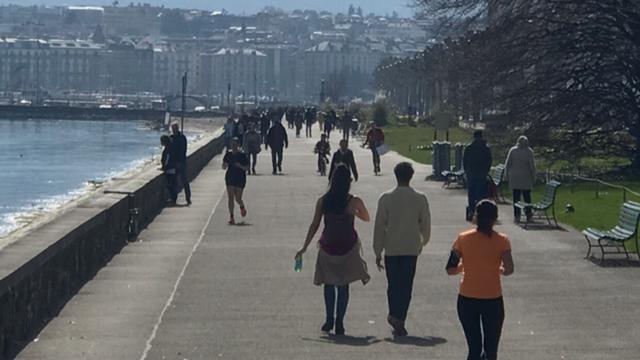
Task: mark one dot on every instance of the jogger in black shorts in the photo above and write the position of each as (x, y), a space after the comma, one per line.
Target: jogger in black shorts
(237, 164)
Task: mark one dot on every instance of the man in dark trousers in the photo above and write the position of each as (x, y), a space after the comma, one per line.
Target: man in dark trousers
(344, 156)
(277, 139)
(179, 154)
(309, 119)
(346, 125)
(476, 162)
(402, 229)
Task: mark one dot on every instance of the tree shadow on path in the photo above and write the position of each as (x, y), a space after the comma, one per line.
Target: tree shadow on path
(428, 341)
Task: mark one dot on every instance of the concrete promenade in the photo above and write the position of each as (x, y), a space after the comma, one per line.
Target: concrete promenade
(195, 288)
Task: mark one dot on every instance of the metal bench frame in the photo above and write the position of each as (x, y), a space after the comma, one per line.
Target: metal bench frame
(625, 230)
(497, 174)
(454, 177)
(547, 203)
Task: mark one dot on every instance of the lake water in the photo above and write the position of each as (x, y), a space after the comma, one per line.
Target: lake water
(46, 163)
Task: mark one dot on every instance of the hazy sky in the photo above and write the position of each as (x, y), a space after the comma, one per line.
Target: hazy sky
(248, 6)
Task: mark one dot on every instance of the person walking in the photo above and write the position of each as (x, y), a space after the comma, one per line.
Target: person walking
(179, 152)
(265, 124)
(520, 169)
(375, 138)
(402, 229)
(321, 117)
(237, 164)
(476, 162)
(168, 167)
(482, 255)
(329, 122)
(309, 119)
(251, 146)
(228, 132)
(343, 156)
(298, 114)
(277, 139)
(346, 125)
(339, 262)
(323, 149)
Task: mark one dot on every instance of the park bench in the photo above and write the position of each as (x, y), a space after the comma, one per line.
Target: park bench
(454, 177)
(626, 229)
(496, 175)
(547, 203)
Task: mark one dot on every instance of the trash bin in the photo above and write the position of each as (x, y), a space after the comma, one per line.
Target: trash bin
(459, 151)
(441, 158)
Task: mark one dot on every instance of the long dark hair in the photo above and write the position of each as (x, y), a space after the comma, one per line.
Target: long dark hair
(337, 197)
(486, 215)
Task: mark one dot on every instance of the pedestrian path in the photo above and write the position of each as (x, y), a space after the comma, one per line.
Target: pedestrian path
(196, 288)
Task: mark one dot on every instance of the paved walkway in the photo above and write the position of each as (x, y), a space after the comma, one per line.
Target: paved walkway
(195, 288)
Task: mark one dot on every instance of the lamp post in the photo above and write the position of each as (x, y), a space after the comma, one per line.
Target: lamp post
(321, 91)
(184, 100)
(229, 97)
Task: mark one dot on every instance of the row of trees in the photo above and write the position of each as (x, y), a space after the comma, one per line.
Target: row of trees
(564, 72)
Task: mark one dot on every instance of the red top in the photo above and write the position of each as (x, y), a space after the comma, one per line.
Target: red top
(375, 137)
(339, 235)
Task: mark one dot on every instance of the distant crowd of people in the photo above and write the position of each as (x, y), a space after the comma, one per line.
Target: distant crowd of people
(402, 220)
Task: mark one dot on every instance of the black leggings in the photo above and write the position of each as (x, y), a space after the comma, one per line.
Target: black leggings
(330, 302)
(253, 160)
(481, 317)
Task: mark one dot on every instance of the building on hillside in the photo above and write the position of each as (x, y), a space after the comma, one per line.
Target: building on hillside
(346, 68)
(245, 69)
(30, 65)
(170, 64)
(136, 20)
(128, 68)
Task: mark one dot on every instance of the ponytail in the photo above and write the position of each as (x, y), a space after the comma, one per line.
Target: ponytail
(486, 216)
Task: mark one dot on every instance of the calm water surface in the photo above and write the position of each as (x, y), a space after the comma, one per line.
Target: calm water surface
(45, 163)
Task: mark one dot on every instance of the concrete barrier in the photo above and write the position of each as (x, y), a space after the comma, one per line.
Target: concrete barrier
(42, 271)
(16, 112)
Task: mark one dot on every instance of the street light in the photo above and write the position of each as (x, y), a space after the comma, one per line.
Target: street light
(184, 100)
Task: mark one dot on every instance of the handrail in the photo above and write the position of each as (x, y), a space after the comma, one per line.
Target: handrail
(624, 189)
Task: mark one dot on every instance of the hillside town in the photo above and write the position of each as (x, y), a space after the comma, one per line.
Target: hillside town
(92, 54)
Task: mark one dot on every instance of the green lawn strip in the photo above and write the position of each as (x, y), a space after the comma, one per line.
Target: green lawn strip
(599, 212)
(406, 139)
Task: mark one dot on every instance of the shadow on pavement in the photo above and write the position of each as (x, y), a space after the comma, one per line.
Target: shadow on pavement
(346, 340)
(536, 226)
(417, 341)
(616, 263)
(242, 223)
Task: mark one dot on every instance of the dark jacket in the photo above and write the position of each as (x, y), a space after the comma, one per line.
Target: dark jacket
(347, 159)
(477, 159)
(167, 161)
(179, 147)
(277, 137)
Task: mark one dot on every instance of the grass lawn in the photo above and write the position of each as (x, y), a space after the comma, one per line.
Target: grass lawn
(590, 211)
(406, 139)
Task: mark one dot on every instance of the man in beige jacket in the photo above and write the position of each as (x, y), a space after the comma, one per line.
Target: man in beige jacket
(402, 229)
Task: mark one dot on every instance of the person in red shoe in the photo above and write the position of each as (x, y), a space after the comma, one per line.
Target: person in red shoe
(375, 138)
(237, 164)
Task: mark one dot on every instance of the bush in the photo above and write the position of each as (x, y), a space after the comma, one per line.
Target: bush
(380, 113)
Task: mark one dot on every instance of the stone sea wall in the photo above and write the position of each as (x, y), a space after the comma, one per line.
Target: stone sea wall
(42, 271)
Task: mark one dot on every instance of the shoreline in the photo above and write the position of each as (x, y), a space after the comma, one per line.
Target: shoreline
(31, 220)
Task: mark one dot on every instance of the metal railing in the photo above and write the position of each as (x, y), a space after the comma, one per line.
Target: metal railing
(625, 190)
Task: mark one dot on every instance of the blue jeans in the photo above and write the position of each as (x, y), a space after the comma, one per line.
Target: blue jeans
(330, 302)
(401, 271)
